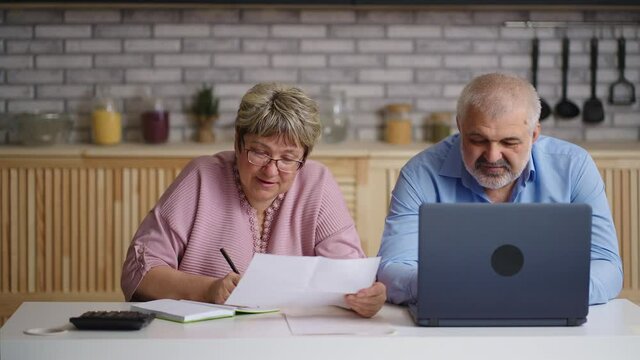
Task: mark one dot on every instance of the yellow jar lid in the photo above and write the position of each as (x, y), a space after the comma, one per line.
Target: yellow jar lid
(398, 107)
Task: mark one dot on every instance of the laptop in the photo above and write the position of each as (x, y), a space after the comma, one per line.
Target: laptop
(503, 265)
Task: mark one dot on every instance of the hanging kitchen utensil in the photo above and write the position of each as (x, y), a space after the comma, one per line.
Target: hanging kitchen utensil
(622, 92)
(565, 109)
(593, 110)
(545, 109)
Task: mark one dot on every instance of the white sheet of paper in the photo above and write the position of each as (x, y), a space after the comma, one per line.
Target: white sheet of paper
(335, 321)
(302, 281)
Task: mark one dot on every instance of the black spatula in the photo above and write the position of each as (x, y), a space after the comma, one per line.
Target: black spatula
(622, 92)
(593, 110)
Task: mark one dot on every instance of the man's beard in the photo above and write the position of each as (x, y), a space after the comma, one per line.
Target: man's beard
(493, 181)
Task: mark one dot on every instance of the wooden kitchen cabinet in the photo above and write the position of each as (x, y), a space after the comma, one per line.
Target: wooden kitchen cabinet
(69, 212)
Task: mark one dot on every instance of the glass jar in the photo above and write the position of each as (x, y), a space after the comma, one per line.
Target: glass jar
(398, 126)
(440, 125)
(333, 116)
(106, 123)
(155, 120)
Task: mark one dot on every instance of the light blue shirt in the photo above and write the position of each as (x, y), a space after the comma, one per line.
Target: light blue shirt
(557, 172)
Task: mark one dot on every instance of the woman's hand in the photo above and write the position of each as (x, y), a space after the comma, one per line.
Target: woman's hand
(367, 302)
(220, 289)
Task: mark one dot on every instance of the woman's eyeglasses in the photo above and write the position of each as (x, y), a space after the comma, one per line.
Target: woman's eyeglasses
(261, 159)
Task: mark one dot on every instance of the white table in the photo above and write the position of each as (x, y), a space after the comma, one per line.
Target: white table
(611, 332)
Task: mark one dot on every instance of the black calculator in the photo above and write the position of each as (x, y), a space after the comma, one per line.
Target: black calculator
(112, 320)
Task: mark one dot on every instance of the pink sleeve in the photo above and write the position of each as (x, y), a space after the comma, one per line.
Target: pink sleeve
(336, 233)
(162, 236)
(152, 245)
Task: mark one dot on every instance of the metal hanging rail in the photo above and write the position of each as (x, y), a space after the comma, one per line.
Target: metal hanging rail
(567, 24)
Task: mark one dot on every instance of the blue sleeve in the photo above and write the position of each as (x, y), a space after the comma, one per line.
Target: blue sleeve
(399, 248)
(606, 266)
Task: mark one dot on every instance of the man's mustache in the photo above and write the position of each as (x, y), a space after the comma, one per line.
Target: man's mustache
(500, 163)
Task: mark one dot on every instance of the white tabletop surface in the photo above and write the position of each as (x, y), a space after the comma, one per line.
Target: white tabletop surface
(611, 332)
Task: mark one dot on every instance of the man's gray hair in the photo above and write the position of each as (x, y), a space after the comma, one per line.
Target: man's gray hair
(496, 94)
(269, 109)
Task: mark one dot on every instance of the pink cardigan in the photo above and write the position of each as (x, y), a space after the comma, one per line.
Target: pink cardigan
(201, 212)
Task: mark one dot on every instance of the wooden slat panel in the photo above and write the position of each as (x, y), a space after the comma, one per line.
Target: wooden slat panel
(41, 263)
(48, 228)
(57, 230)
(143, 187)
(108, 231)
(91, 229)
(66, 233)
(83, 234)
(162, 183)
(5, 231)
(634, 226)
(75, 229)
(31, 230)
(22, 217)
(624, 233)
(100, 229)
(13, 246)
(126, 210)
(617, 219)
(152, 191)
(117, 227)
(135, 202)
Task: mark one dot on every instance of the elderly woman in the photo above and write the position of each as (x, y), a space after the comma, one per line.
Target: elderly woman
(264, 197)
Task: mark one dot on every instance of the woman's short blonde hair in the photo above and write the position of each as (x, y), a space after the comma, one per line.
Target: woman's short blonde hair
(269, 109)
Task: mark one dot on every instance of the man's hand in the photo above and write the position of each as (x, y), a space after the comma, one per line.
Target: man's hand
(220, 289)
(367, 302)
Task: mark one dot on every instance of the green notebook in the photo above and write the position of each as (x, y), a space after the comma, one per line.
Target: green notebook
(189, 311)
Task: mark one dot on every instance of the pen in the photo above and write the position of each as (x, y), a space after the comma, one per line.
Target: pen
(226, 257)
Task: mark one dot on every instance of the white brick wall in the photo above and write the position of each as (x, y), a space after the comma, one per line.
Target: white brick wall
(123, 61)
(177, 31)
(16, 92)
(16, 62)
(34, 46)
(122, 31)
(59, 59)
(182, 60)
(92, 16)
(64, 91)
(63, 61)
(152, 46)
(63, 31)
(93, 46)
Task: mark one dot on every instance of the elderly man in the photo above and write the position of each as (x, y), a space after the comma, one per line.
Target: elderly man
(498, 156)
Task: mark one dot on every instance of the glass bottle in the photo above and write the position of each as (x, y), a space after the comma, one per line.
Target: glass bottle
(398, 124)
(106, 122)
(333, 116)
(155, 120)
